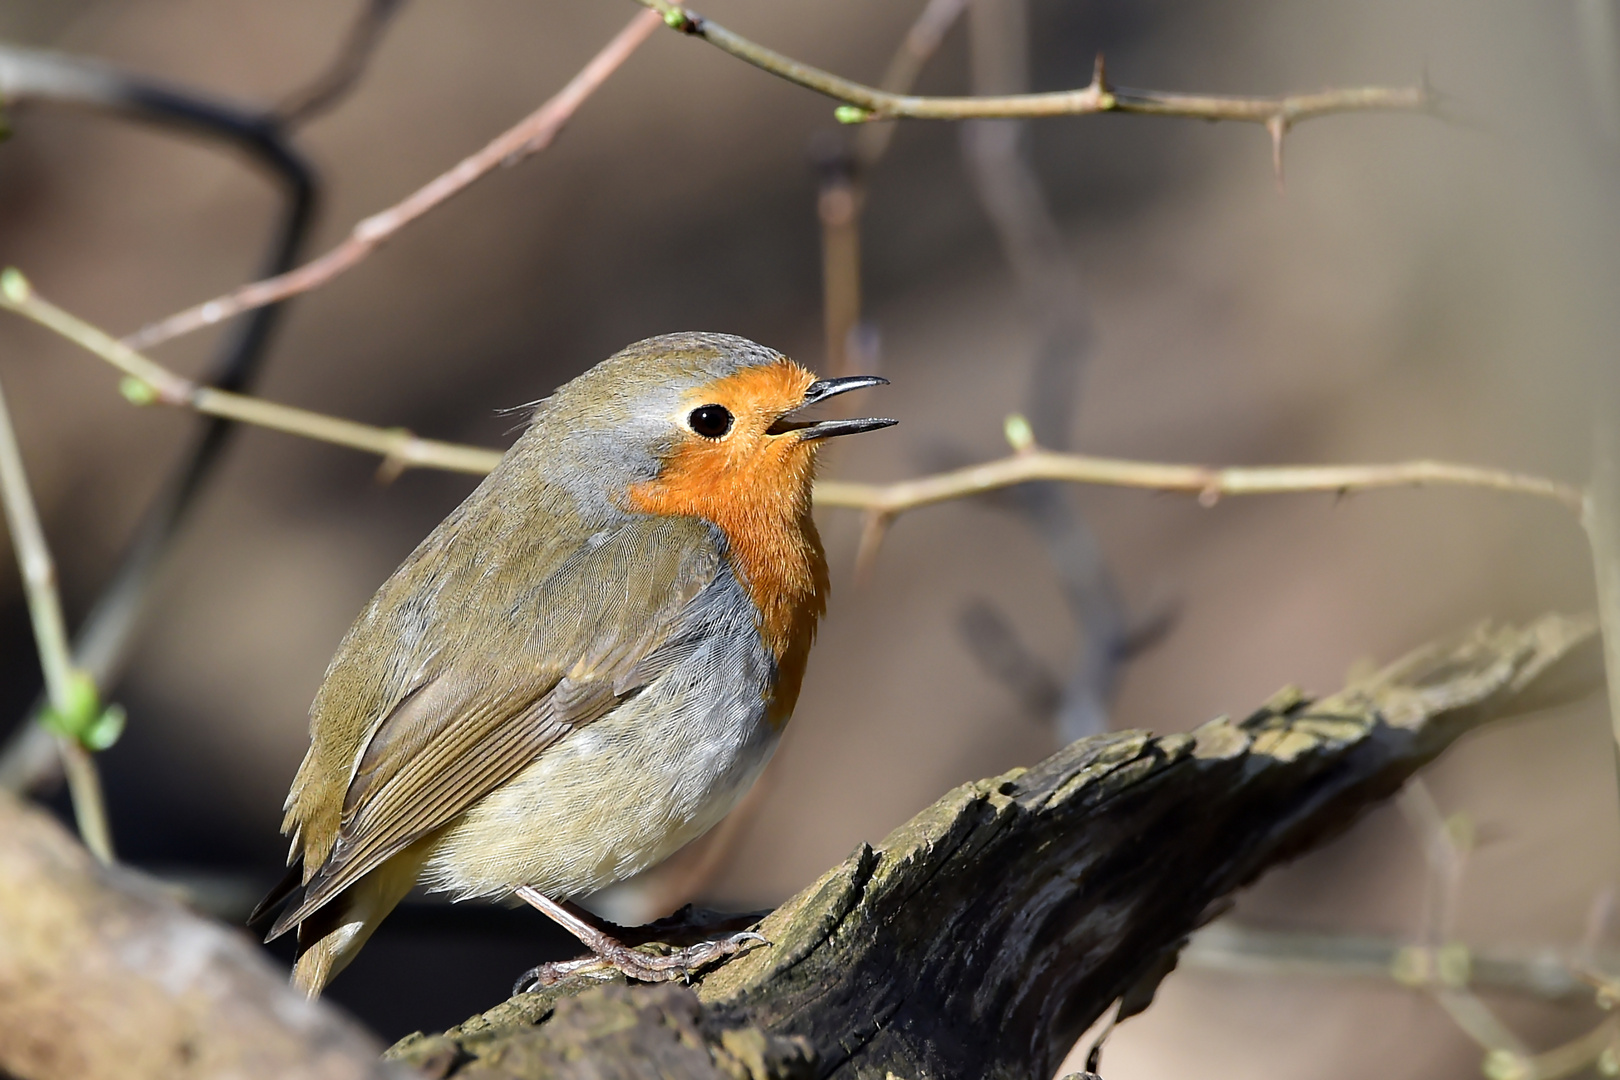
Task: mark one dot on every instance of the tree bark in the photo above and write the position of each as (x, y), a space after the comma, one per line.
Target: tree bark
(104, 975)
(981, 938)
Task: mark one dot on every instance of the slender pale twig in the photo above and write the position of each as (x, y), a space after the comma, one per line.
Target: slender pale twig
(150, 382)
(50, 636)
(1208, 484)
(530, 135)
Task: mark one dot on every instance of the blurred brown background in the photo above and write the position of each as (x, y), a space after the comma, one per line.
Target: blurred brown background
(1421, 289)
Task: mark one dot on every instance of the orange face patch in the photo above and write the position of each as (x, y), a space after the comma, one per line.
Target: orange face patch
(755, 487)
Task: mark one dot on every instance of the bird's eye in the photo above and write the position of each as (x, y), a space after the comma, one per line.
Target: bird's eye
(710, 421)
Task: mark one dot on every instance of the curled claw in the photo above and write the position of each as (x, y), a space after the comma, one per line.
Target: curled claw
(641, 966)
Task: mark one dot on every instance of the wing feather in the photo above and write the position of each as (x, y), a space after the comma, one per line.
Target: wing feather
(595, 628)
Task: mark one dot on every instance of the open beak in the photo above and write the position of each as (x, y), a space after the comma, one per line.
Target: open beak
(820, 391)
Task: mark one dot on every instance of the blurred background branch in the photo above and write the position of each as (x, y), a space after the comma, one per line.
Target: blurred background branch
(104, 639)
(528, 136)
(997, 156)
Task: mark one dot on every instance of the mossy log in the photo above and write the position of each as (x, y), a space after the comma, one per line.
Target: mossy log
(981, 938)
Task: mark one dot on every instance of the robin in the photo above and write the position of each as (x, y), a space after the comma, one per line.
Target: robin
(582, 668)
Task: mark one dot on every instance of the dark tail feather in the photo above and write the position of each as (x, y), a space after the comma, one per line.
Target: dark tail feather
(289, 889)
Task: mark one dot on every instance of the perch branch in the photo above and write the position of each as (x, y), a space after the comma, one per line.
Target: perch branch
(869, 103)
(530, 135)
(38, 571)
(982, 937)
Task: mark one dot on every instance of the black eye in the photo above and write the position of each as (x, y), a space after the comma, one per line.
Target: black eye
(710, 421)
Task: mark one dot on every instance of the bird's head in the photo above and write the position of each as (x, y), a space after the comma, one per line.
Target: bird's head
(703, 424)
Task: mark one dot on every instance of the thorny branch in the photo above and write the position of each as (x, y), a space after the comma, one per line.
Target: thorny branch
(530, 135)
(863, 103)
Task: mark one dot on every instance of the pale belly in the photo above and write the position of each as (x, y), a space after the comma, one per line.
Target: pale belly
(613, 798)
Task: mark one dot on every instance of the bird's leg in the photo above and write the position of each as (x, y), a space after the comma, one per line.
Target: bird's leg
(610, 954)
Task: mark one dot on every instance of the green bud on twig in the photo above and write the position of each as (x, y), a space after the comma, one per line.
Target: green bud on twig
(1505, 1065)
(83, 718)
(105, 729)
(14, 285)
(1020, 436)
(852, 114)
(137, 391)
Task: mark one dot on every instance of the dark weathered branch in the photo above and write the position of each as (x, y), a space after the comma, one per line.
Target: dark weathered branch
(102, 644)
(984, 936)
(354, 55)
(104, 976)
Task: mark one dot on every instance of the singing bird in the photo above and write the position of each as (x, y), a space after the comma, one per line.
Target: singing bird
(583, 667)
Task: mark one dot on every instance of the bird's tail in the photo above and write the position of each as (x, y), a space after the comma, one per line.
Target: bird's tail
(331, 936)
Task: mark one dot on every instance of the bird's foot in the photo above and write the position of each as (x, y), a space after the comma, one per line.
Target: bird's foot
(611, 955)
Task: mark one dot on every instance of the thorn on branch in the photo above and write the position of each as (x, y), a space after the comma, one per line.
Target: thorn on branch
(874, 527)
(1277, 126)
(1103, 92)
(399, 458)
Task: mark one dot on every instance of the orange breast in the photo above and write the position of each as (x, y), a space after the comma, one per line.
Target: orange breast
(756, 489)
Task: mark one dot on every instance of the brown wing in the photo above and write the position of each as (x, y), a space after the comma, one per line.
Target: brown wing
(597, 622)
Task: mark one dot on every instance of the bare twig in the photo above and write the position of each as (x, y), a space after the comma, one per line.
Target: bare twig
(151, 382)
(331, 85)
(864, 103)
(1208, 484)
(50, 636)
(530, 135)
